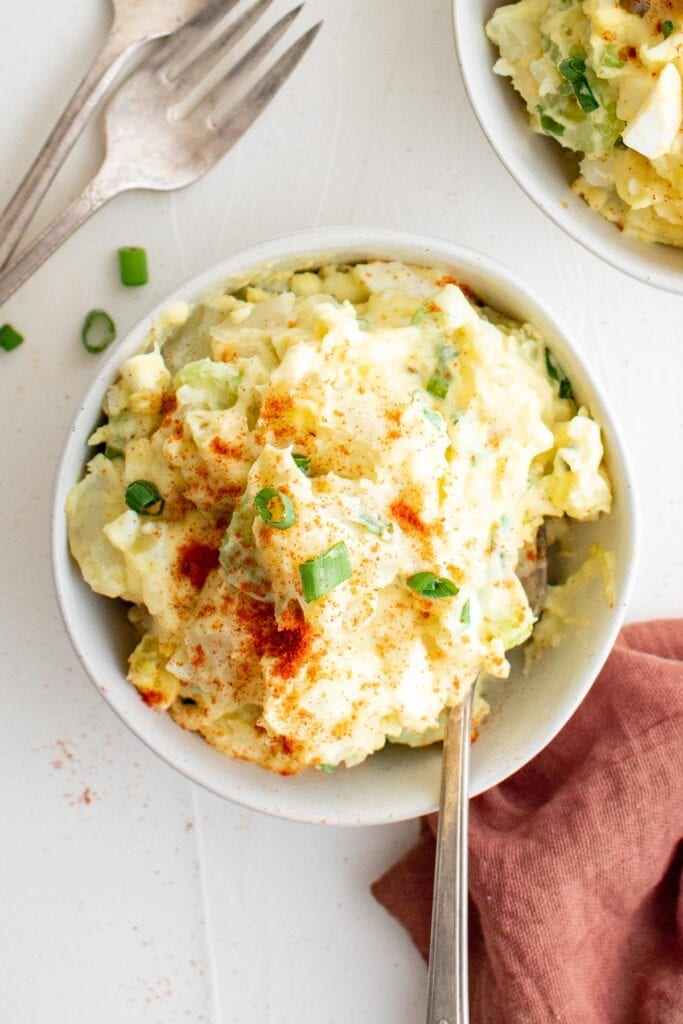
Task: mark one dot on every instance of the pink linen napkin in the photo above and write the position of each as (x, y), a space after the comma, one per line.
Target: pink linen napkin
(576, 861)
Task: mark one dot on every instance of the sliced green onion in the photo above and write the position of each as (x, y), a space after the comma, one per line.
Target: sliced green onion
(9, 338)
(556, 372)
(303, 462)
(585, 96)
(110, 452)
(667, 28)
(465, 613)
(573, 69)
(438, 385)
(611, 58)
(263, 501)
(428, 584)
(133, 266)
(375, 523)
(440, 380)
(549, 125)
(322, 574)
(98, 331)
(144, 498)
(434, 418)
(325, 767)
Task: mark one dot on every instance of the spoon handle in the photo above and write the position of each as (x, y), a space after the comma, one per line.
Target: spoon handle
(447, 995)
(19, 211)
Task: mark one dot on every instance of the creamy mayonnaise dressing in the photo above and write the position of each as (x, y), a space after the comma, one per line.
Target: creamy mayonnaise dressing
(432, 435)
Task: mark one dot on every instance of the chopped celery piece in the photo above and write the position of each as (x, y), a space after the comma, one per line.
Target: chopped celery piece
(611, 58)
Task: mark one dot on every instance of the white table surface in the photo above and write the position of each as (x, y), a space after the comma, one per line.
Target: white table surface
(127, 893)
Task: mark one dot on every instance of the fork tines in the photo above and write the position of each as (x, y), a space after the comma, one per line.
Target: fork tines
(235, 121)
(189, 64)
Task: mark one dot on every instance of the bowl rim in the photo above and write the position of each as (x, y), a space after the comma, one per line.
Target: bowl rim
(626, 264)
(309, 243)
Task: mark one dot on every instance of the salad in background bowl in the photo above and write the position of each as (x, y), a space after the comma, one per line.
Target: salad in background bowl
(601, 81)
(348, 295)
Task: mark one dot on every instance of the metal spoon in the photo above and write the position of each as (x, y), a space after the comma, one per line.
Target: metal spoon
(135, 22)
(447, 991)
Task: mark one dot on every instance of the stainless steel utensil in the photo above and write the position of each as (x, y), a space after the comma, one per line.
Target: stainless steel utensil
(161, 133)
(135, 23)
(447, 990)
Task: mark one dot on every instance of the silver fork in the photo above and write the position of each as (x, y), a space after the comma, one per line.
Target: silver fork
(149, 143)
(134, 24)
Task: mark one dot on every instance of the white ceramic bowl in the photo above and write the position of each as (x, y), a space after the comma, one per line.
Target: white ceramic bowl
(398, 782)
(540, 165)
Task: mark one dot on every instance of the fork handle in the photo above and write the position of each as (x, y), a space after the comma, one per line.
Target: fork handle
(97, 193)
(447, 993)
(25, 201)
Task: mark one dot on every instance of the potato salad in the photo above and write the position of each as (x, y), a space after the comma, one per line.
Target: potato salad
(603, 78)
(315, 493)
